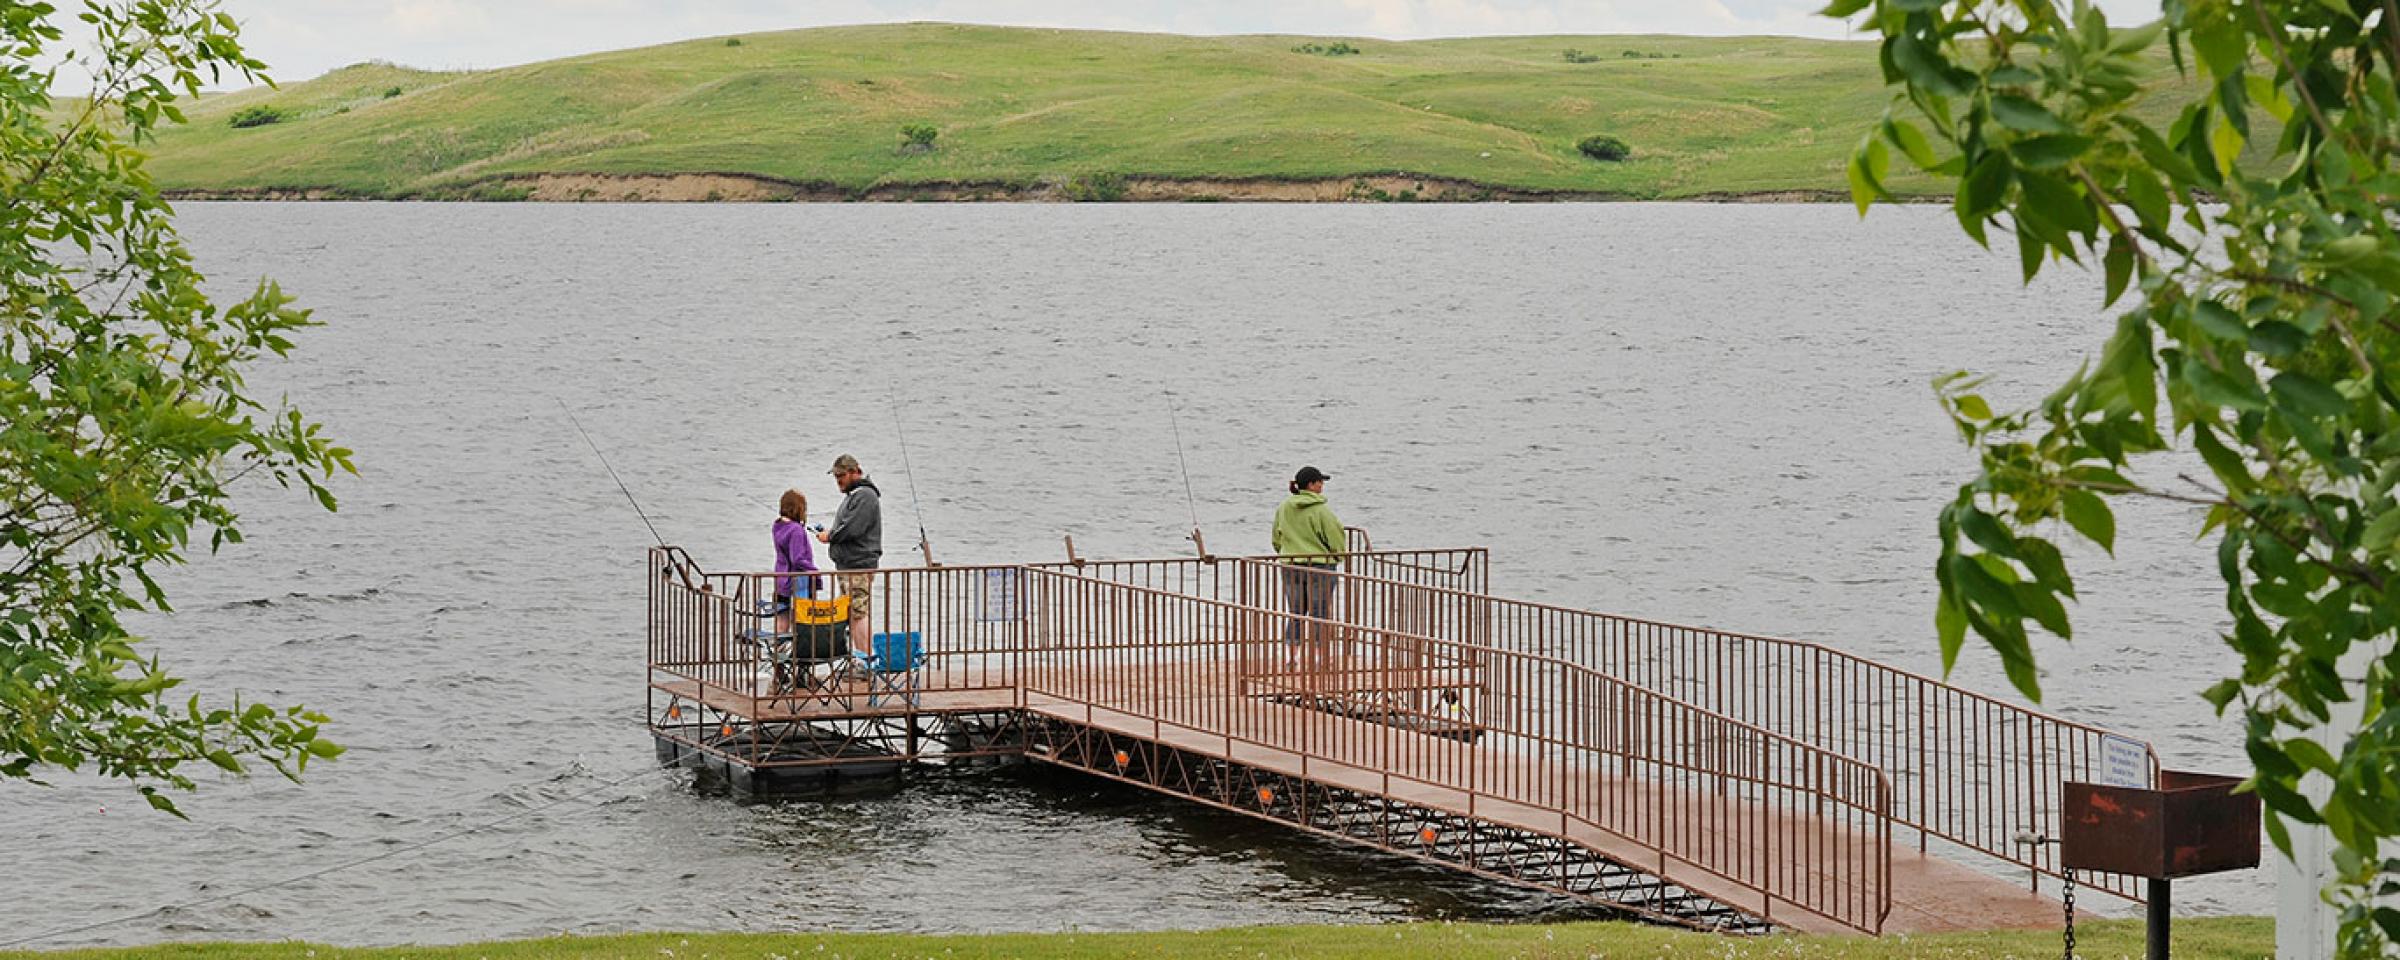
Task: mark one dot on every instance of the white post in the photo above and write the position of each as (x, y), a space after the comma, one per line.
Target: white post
(2304, 923)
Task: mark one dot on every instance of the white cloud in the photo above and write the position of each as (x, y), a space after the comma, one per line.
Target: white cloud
(436, 18)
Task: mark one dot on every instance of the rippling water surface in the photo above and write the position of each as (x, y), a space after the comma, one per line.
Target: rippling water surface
(1709, 414)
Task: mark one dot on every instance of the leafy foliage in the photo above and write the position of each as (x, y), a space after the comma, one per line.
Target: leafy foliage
(257, 116)
(123, 419)
(1338, 48)
(1604, 147)
(1095, 188)
(1572, 55)
(919, 135)
(2255, 244)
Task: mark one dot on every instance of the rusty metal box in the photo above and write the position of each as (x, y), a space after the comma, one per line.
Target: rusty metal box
(2193, 824)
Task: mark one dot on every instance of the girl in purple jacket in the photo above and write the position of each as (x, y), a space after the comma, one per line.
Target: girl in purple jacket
(792, 555)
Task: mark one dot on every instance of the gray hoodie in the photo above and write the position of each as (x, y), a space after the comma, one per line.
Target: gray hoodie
(855, 541)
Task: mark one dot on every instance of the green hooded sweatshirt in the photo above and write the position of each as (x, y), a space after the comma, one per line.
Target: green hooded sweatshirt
(1305, 527)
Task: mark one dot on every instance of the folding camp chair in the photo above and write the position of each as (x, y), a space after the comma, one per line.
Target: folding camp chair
(895, 667)
(820, 636)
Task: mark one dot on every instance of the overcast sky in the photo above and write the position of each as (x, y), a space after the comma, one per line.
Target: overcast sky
(304, 38)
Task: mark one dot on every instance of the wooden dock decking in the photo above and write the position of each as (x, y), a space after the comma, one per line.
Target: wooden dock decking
(1780, 784)
(1928, 894)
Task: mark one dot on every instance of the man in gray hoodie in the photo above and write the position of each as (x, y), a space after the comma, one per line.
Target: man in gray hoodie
(855, 542)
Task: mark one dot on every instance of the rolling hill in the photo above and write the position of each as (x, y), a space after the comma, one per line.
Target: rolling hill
(1020, 112)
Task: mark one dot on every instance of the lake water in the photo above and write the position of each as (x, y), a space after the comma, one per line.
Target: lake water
(1710, 414)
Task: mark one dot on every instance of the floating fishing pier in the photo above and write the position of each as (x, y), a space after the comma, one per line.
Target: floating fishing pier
(1678, 774)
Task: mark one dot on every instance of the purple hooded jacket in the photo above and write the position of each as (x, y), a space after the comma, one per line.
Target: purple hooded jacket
(793, 554)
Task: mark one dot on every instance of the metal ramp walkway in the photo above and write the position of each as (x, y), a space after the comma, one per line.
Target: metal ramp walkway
(1685, 776)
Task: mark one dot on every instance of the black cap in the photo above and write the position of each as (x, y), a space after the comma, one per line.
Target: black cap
(1309, 475)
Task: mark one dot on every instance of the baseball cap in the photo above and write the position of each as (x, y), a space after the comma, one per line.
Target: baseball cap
(1309, 475)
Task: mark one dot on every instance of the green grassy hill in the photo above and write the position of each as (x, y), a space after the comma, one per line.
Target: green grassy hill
(1021, 107)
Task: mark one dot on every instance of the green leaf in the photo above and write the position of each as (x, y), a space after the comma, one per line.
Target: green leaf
(2381, 532)
(2049, 569)
(1924, 65)
(2216, 388)
(2030, 249)
(2043, 606)
(2225, 143)
(2220, 321)
(2221, 693)
(1950, 624)
(2278, 834)
(2276, 338)
(2049, 153)
(1911, 142)
(1842, 9)
(2148, 199)
(1868, 164)
(2026, 116)
(2221, 47)
(2117, 268)
(1986, 532)
(2307, 396)
(2282, 799)
(2090, 516)
(158, 801)
(2129, 359)
(2056, 201)
(1982, 590)
(1986, 183)
(2311, 755)
(2135, 39)
(2223, 462)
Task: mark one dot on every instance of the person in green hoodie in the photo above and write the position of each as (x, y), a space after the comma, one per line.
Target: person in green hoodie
(1309, 541)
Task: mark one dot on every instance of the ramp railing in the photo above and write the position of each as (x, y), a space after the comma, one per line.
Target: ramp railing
(1754, 818)
(1967, 768)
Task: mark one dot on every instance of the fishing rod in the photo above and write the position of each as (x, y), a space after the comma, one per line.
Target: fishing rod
(1176, 422)
(924, 543)
(671, 550)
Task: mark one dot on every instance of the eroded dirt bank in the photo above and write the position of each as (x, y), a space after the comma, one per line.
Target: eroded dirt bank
(746, 188)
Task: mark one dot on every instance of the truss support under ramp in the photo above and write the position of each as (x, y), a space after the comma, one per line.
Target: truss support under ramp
(1470, 844)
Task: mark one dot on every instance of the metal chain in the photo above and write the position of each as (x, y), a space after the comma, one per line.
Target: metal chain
(2070, 908)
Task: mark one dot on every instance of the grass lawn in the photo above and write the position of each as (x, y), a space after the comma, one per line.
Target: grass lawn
(2196, 939)
(1703, 115)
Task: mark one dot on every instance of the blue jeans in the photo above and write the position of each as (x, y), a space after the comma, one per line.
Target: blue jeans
(1307, 592)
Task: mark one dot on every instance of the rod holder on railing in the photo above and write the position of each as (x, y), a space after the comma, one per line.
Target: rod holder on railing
(1202, 545)
(1071, 557)
(683, 568)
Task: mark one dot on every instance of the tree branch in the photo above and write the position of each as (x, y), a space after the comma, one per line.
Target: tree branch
(2391, 34)
(2295, 286)
(2340, 558)
(2284, 57)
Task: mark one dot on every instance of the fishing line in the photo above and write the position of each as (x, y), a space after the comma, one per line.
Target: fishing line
(612, 471)
(344, 865)
(909, 471)
(1189, 501)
